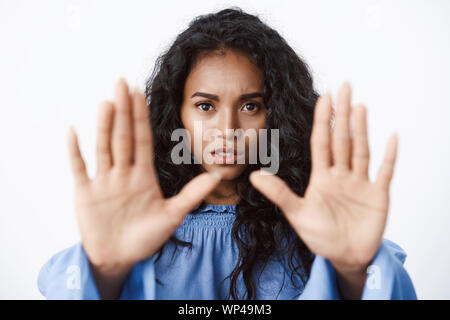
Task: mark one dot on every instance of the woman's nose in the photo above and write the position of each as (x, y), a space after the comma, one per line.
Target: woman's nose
(228, 123)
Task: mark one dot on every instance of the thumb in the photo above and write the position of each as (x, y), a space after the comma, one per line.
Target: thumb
(193, 193)
(276, 190)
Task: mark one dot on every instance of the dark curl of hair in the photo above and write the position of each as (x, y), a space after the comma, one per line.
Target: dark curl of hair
(260, 228)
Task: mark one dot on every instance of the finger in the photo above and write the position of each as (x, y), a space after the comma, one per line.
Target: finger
(276, 190)
(360, 153)
(76, 160)
(122, 132)
(104, 128)
(320, 135)
(341, 133)
(191, 195)
(143, 137)
(386, 170)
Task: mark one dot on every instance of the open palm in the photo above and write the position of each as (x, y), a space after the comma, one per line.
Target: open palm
(121, 213)
(342, 215)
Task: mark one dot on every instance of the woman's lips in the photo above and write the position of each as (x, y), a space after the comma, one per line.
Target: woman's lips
(226, 157)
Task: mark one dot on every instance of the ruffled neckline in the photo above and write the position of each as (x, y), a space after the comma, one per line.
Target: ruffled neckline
(210, 216)
(219, 208)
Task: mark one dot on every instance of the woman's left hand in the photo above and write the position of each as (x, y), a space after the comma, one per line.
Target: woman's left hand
(342, 215)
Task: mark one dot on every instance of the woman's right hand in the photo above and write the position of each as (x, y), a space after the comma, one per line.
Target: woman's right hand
(121, 213)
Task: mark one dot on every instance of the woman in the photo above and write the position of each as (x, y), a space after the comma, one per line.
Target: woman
(155, 228)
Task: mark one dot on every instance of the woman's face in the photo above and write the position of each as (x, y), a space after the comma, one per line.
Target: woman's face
(223, 92)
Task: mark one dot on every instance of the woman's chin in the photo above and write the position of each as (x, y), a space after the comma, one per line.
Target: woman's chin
(228, 172)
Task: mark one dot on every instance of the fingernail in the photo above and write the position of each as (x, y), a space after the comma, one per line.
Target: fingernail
(70, 129)
(217, 175)
(266, 172)
(395, 135)
(122, 82)
(347, 82)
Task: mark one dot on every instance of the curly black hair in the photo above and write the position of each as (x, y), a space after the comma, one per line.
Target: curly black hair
(260, 228)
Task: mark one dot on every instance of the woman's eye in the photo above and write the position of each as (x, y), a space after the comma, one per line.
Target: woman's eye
(204, 106)
(250, 107)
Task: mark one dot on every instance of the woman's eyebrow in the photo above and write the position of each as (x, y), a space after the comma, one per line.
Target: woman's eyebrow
(216, 98)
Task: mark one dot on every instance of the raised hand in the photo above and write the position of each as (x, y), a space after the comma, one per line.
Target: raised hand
(342, 215)
(121, 213)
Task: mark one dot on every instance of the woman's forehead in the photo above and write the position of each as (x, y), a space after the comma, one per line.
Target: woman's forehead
(222, 73)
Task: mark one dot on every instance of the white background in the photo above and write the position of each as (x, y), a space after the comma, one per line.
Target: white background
(59, 59)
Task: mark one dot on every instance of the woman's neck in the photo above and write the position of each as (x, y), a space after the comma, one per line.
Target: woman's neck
(224, 193)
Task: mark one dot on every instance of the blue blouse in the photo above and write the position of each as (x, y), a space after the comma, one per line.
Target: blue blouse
(198, 273)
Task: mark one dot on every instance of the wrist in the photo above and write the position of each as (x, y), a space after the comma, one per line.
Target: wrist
(111, 269)
(350, 280)
(350, 269)
(110, 279)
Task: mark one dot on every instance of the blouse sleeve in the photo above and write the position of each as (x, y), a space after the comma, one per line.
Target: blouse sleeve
(68, 275)
(386, 278)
